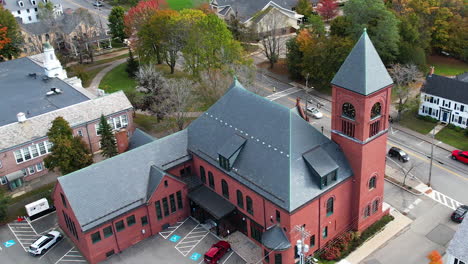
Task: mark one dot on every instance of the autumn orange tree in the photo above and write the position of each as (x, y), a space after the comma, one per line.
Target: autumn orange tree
(435, 257)
(3, 37)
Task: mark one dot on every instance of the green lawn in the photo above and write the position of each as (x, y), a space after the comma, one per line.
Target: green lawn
(117, 79)
(447, 66)
(150, 123)
(410, 121)
(181, 4)
(453, 138)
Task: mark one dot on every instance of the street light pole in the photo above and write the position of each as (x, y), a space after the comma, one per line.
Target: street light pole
(307, 89)
(432, 155)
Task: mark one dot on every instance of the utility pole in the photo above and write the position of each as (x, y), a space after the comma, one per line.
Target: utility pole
(307, 88)
(302, 247)
(432, 155)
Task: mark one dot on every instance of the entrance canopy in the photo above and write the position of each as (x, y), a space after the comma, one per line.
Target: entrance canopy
(214, 204)
(15, 175)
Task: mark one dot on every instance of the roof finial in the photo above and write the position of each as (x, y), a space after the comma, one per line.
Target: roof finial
(235, 77)
(365, 29)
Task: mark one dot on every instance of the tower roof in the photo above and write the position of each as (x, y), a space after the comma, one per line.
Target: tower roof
(363, 71)
(47, 45)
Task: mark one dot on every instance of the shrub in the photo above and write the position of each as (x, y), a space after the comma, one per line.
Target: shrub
(466, 131)
(458, 129)
(451, 126)
(331, 253)
(374, 228)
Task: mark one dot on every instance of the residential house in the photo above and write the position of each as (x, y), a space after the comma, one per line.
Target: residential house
(28, 10)
(262, 174)
(445, 99)
(457, 251)
(262, 15)
(34, 92)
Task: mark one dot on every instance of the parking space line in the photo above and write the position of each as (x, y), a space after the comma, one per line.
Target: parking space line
(166, 234)
(64, 255)
(182, 246)
(228, 257)
(19, 241)
(48, 250)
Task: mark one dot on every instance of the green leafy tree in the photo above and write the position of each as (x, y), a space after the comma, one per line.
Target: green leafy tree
(4, 200)
(294, 59)
(116, 22)
(304, 8)
(316, 23)
(340, 26)
(13, 33)
(381, 24)
(108, 142)
(68, 153)
(132, 65)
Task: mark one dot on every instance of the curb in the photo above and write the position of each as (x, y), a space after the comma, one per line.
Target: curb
(399, 128)
(394, 183)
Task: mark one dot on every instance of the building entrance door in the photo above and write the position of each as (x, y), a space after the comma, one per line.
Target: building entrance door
(444, 116)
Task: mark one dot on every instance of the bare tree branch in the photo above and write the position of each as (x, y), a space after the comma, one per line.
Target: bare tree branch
(180, 98)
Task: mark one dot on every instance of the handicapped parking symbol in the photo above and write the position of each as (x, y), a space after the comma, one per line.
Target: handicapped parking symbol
(195, 256)
(9, 243)
(174, 238)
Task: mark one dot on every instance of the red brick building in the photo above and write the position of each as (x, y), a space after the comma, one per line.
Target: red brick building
(249, 165)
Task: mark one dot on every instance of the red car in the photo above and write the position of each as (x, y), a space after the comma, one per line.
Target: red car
(216, 252)
(460, 155)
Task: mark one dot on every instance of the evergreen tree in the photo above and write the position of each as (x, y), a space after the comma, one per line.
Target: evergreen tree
(132, 65)
(108, 143)
(68, 153)
(116, 22)
(4, 199)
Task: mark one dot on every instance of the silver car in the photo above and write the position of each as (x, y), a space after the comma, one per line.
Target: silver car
(44, 243)
(314, 112)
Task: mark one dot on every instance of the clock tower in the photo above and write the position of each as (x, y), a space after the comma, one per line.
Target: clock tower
(361, 99)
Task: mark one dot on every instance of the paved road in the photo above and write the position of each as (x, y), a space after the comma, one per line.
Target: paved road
(100, 14)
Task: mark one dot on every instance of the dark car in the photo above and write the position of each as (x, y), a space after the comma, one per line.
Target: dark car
(460, 156)
(395, 152)
(459, 214)
(216, 252)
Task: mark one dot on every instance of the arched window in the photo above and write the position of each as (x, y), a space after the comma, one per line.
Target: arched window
(375, 206)
(367, 211)
(202, 174)
(372, 182)
(348, 111)
(375, 111)
(211, 180)
(330, 206)
(47, 37)
(225, 188)
(248, 201)
(240, 199)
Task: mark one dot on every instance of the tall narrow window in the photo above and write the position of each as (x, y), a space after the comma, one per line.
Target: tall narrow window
(375, 111)
(157, 206)
(211, 180)
(312, 241)
(248, 201)
(375, 206)
(131, 220)
(180, 203)
(225, 188)
(173, 205)
(119, 226)
(278, 216)
(278, 258)
(96, 237)
(165, 206)
(144, 220)
(240, 199)
(325, 232)
(367, 211)
(330, 206)
(107, 231)
(372, 182)
(266, 255)
(202, 174)
(64, 202)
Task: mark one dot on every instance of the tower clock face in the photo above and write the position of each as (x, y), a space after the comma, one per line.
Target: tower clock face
(376, 110)
(349, 111)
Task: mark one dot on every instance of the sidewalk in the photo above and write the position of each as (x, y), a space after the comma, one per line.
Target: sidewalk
(389, 231)
(422, 137)
(102, 57)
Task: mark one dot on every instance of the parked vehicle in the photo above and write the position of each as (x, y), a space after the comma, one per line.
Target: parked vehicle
(216, 252)
(314, 112)
(399, 154)
(459, 214)
(460, 156)
(97, 4)
(44, 243)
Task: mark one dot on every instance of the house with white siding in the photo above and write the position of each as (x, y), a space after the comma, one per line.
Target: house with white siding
(445, 99)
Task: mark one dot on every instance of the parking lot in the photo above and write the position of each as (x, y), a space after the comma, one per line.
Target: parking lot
(16, 237)
(185, 242)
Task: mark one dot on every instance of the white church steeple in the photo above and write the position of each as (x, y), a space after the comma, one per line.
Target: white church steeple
(52, 66)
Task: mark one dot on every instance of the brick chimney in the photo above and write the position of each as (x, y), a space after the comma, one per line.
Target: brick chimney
(431, 71)
(122, 140)
(300, 110)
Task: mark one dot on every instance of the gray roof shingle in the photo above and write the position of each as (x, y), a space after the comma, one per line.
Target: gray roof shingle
(139, 138)
(458, 246)
(274, 238)
(445, 87)
(22, 93)
(245, 9)
(271, 160)
(363, 71)
(114, 186)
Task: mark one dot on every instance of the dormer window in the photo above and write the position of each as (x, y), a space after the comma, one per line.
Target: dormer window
(323, 168)
(229, 152)
(20, 3)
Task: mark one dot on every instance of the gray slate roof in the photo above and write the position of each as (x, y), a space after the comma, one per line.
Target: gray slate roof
(445, 87)
(21, 93)
(66, 22)
(270, 162)
(458, 246)
(320, 161)
(274, 238)
(245, 9)
(363, 71)
(114, 186)
(212, 202)
(139, 138)
(37, 127)
(462, 77)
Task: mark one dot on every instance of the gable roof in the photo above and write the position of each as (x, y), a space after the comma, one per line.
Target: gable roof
(114, 186)
(245, 9)
(458, 246)
(274, 238)
(363, 71)
(445, 87)
(24, 93)
(66, 22)
(271, 162)
(139, 138)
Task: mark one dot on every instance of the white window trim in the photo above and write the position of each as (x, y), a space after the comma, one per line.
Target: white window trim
(31, 168)
(3, 180)
(39, 165)
(1, 166)
(80, 132)
(47, 147)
